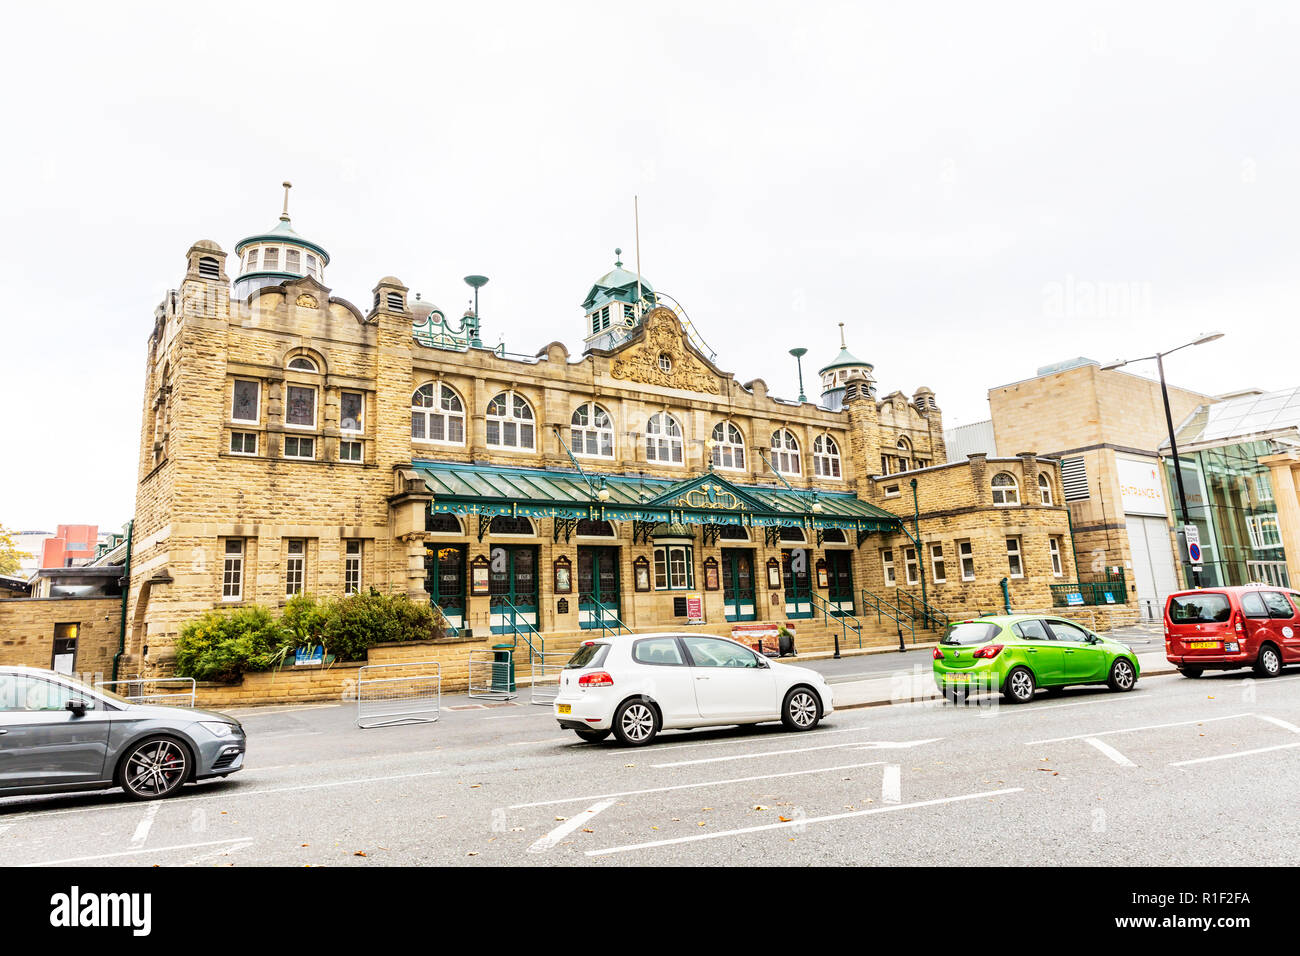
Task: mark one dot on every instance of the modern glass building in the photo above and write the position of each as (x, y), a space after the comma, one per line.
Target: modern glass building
(1229, 492)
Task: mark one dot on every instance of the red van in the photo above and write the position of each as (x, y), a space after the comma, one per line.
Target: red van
(1227, 628)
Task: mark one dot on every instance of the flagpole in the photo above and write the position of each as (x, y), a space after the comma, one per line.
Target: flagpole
(636, 212)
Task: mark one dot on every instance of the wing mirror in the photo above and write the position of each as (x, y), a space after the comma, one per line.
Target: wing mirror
(77, 706)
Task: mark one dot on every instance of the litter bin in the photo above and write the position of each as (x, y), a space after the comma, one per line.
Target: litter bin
(503, 668)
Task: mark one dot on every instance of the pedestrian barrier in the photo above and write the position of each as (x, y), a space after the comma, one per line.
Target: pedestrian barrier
(547, 666)
(171, 691)
(492, 674)
(386, 697)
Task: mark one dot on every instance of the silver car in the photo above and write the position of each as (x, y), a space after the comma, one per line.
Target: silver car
(58, 734)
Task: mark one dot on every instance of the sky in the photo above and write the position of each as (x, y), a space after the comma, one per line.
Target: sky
(974, 190)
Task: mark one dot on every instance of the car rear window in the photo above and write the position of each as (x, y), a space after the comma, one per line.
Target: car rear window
(970, 632)
(588, 655)
(1199, 609)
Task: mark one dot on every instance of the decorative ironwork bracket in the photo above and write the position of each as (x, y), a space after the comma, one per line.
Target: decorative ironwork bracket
(563, 526)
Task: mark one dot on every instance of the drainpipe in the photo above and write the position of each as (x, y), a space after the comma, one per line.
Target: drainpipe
(920, 558)
(1073, 548)
(1006, 597)
(126, 592)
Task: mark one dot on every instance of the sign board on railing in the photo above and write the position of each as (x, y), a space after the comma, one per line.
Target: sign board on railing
(1074, 599)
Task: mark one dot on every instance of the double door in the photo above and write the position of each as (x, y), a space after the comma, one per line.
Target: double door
(738, 584)
(512, 586)
(444, 579)
(598, 588)
(796, 578)
(839, 581)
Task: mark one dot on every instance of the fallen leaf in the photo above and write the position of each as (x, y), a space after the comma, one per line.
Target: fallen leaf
(560, 819)
(516, 829)
(784, 819)
(759, 806)
(306, 844)
(358, 853)
(588, 830)
(700, 824)
(472, 853)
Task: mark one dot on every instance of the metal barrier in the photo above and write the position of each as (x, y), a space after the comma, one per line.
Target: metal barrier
(492, 675)
(545, 686)
(397, 699)
(150, 690)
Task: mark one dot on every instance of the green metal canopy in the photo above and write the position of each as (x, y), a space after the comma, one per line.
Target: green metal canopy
(706, 499)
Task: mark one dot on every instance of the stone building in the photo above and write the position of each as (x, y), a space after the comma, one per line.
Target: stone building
(293, 441)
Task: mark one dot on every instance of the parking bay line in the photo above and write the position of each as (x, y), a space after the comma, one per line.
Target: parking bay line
(568, 826)
(1109, 751)
(691, 786)
(1240, 753)
(805, 821)
(1129, 730)
(858, 744)
(151, 849)
(1280, 723)
(146, 824)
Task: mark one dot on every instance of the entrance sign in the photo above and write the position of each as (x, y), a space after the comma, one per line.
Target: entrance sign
(694, 609)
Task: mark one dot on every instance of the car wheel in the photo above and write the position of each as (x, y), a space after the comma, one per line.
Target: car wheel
(801, 709)
(1122, 675)
(1269, 662)
(592, 736)
(1019, 686)
(154, 768)
(636, 722)
(1191, 671)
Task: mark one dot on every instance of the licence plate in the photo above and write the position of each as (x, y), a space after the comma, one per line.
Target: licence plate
(563, 708)
(958, 678)
(1199, 645)
(1230, 647)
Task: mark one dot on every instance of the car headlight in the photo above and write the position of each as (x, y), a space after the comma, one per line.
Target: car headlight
(219, 728)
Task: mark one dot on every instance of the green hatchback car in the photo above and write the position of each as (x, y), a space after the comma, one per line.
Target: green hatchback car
(1016, 654)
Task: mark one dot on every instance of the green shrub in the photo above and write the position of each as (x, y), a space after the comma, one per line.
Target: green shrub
(222, 645)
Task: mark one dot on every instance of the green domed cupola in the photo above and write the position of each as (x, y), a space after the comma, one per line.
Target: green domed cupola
(276, 255)
(612, 306)
(835, 374)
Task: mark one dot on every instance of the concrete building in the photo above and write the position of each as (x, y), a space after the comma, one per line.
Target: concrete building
(1106, 428)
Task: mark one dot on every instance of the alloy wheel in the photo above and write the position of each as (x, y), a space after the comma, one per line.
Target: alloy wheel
(1022, 685)
(155, 768)
(1123, 675)
(803, 709)
(638, 722)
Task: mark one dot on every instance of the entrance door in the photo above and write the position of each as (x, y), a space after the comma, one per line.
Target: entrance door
(839, 581)
(738, 584)
(444, 579)
(1153, 563)
(512, 584)
(797, 579)
(598, 588)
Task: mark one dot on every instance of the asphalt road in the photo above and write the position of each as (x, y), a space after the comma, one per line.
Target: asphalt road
(1197, 772)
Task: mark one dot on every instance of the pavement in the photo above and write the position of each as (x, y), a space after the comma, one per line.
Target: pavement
(1194, 772)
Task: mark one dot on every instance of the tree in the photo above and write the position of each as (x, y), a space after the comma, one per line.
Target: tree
(10, 557)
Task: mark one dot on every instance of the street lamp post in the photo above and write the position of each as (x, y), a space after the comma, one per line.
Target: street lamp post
(798, 358)
(1169, 423)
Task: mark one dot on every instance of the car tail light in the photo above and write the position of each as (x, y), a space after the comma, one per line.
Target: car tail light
(938, 654)
(596, 679)
(989, 651)
(1237, 624)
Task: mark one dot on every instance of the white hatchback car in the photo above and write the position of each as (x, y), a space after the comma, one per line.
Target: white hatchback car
(635, 686)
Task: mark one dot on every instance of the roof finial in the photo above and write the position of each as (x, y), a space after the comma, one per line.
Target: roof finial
(284, 216)
(842, 345)
(618, 258)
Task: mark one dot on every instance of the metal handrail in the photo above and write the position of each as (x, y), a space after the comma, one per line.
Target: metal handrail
(515, 620)
(602, 609)
(927, 613)
(847, 621)
(451, 629)
(884, 609)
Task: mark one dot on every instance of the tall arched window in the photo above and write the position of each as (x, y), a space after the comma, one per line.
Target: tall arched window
(301, 363)
(826, 457)
(785, 453)
(663, 440)
(437, 415)
(510, 423)
(1005, 490)
(1044, 489)
(592, 432)
(904, 454)
(728, 447)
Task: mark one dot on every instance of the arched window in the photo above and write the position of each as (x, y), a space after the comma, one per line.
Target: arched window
(587, 528)
(510, 423)
(442, 523)
(904, 454)
(504, 524)
(792, 533)
(785, 453)
(437, 415)
(826, 457)
(1005, 490)
(728, 447)
(301, 363)
(663, 440)
(1044, 489)
(592, 432)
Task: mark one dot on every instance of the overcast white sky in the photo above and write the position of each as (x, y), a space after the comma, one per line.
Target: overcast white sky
(976, 190)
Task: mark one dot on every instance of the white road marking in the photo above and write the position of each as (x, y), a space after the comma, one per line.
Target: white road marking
(1109, 751)
(568, 826)
(1129, 730)
(1240, 753)
(146, 824)
(218, 853)
(692, 786)
(802, 822)
(152, 849)
(857, 744)
(1281, 723)
(738, 739)
(891, 787)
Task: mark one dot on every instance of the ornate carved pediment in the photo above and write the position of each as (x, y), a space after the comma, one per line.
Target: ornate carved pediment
(661, 358)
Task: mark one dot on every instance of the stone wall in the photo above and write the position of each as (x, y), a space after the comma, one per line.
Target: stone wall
(27, 632)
